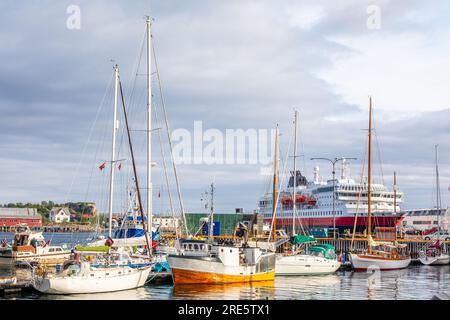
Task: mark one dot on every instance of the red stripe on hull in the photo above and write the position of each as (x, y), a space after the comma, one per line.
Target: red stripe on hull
(341, 222)
(365, 269)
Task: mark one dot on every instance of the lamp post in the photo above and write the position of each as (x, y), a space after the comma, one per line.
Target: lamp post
(333, 162)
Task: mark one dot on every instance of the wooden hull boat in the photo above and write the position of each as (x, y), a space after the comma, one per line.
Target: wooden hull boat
(364, 262)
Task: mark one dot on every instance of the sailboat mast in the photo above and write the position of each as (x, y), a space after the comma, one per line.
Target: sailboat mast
(149, 129)
(211, 215)
(113, 149)
(369, 177)
(275, 177)
(438, 191)
(395, 192)
(294, 193)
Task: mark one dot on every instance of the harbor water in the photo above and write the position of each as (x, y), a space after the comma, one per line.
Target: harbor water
(416, 282)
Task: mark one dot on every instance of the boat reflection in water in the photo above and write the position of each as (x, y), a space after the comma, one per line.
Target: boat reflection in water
(307, 287)
(226, 291)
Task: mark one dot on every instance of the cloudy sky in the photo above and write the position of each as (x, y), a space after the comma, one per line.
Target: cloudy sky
(230, 64)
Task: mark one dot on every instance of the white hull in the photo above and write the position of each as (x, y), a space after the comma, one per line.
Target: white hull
(103, 280)
(12, 259)
(123, 242)
(439, 260)
(362, 262)
(304, 265)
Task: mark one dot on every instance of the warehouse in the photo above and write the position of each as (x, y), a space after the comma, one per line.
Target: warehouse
(10, 217)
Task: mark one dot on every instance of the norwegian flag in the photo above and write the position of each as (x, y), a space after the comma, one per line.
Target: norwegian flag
(120, 166)
(4, 242)
(102, 166)
(47, 243)
(159, 194)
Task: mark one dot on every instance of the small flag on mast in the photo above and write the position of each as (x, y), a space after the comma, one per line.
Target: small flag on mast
(120, 166)
(102, 166)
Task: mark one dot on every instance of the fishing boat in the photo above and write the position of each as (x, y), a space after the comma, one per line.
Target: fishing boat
(203, 262)
(30, 247)
(436, 253)
(318, 259)
(387, 255)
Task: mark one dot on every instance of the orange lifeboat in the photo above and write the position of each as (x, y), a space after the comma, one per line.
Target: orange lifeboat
(286, 200)
(312, 201)
(300, 198)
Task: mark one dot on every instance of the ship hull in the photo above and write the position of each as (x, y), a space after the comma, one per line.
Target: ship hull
(298, 265)
(189, 270)
(342, 223)
(181, 276)
(361, 262)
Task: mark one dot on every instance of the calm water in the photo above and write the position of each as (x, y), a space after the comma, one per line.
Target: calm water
(416, 282)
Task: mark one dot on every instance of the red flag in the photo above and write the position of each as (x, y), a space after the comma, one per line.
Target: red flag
(159, 194)
(102, 166)
(120, 166)
(47, 243)
(4, 242)
(448, 188)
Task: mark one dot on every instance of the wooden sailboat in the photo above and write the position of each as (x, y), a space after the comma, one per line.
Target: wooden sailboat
(435, 254)
(379, 255)
(318, 259)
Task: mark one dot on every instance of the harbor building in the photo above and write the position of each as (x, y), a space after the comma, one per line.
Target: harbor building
(224, 223)
(10, 217)
(425, 219)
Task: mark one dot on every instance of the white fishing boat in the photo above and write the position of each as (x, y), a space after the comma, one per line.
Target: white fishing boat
(83, 278)
(379, 255)
(30, 247)
(203, 262)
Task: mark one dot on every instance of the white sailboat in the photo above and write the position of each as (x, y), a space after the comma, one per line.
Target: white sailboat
(84, 278)
(435, 254)
(85, 275)
(379, 255)
(318, 259)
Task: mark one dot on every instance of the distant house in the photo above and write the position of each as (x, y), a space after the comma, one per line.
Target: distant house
(59, 214)
(12, 216)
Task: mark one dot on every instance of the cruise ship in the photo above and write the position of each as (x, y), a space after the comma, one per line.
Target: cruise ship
(314, 203)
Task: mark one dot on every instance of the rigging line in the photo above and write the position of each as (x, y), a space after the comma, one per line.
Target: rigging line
(132, 86)
(91, 130)
(359, 196)
(165, 172)
(170, 141)
(141, 209)
(378, 147)
(279, 187)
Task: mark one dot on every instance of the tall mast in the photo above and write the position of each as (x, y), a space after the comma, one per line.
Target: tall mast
(294, 193)
(211, 215)
(275, 177)
(395, 193)
(113, 149)
(149, 129)
(369, 178)
(438, 189)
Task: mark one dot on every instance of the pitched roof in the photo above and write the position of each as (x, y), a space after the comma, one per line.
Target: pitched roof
(19, 212)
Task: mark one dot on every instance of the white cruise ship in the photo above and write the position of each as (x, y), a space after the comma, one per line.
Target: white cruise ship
(315, 203)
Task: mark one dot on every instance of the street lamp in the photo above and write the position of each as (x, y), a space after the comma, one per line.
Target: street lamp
(333, 162)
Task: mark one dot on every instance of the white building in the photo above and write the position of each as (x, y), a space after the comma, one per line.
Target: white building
(424, 219)
(59, 214)
(167, 224)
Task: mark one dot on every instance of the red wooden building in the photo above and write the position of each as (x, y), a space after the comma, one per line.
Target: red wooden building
(10, 217)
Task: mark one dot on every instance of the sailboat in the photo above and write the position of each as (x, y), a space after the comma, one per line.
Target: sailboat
(85, 274)
(320, 259)
(380, 255)
(435, 254)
